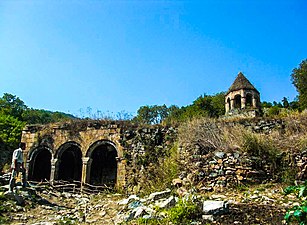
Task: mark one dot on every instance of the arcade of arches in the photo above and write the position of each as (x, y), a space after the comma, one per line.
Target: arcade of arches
(95, 158)
(242, 99)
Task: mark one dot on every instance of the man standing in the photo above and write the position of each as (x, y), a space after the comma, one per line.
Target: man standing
(18, 166)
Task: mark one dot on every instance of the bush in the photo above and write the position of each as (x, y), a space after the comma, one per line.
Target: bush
(299, 212)
(184, 212)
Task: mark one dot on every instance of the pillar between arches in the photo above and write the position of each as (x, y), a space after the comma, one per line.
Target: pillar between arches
(86, 161)
(53, 170)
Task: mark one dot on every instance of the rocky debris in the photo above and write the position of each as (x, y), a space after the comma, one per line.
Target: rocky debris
(215, 207)
(135, 207)
(264, 204)
(158, 195)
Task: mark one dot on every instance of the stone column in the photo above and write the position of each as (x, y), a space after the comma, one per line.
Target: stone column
(86, 161)
(226, 107)
(121, 173)
(254, 102)
(53, 170)
(243, 102)
(232, 103)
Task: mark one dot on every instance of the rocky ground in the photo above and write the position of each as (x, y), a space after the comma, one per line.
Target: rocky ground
(263, 204)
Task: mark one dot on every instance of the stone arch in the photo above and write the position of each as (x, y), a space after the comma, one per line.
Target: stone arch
(102, 167)
(237, 102)
(69, 162)
(249, 100)
(39, 164)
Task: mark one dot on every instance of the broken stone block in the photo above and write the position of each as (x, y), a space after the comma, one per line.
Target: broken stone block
(128, 200)
(208, 217)
(167, 203)
(215, 207)
(158, 195)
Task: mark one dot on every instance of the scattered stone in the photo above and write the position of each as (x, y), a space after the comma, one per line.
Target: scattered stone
(208, 217)
(158, 195)
(171, 201)
(215, 207)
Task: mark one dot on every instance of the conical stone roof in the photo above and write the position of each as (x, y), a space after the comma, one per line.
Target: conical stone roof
(241, 82)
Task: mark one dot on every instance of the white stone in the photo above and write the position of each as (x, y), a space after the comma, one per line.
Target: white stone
(159, 195)
(215, 207)
(167, 203)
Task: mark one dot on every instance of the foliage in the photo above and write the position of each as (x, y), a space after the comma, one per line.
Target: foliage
(279, 108)
(151, 114)
(299, 212)
(164, 172)
(299, 80)
(184, 212)
(10, 130)
(260, 146)
(204, 105)
(12, 105)
(40, 116)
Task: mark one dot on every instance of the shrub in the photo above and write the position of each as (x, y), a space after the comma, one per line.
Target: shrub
(184, 212)
(299, 212)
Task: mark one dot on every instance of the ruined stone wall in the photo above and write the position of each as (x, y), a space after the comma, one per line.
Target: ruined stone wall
(140, 149)
(207, 167)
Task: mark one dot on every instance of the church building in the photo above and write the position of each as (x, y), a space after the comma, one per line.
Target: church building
(242, 98)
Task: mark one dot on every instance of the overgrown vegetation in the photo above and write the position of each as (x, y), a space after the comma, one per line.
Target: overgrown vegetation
(298, 212)
(161, 175)
(299, 80)
(184, 212)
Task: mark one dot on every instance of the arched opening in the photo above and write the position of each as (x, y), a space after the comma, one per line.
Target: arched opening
(249, 100)
(103, 166)
(237, 102)
(228, 104)
(69, 162)
(40, 165)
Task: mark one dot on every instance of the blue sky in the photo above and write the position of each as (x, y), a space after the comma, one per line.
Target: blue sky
(120, 55)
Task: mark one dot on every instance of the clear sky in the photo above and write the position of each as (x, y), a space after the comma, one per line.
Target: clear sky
(120, 55)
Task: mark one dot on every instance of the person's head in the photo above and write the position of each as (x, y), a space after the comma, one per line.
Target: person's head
(22, 145)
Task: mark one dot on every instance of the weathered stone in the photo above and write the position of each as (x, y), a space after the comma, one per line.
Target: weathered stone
(158, 195)
(167, 203)
(219, 154)
(215, 207)
(208, 217)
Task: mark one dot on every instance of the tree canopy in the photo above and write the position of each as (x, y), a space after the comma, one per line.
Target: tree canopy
(14, 115)
(299, 79)
(204, 105)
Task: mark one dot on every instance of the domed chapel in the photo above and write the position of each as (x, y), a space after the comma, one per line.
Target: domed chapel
(242, 98)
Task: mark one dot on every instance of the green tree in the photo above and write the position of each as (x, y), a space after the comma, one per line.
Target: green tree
(285, 102)
(151, 114)
(12, 105)
(265, 104)
(299, 79)
(10, 130)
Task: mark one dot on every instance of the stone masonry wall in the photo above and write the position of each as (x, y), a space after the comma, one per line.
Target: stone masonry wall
(141, 148)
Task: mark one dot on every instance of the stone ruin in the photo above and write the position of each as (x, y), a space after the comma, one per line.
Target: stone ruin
(242, 99)
(96, 153)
